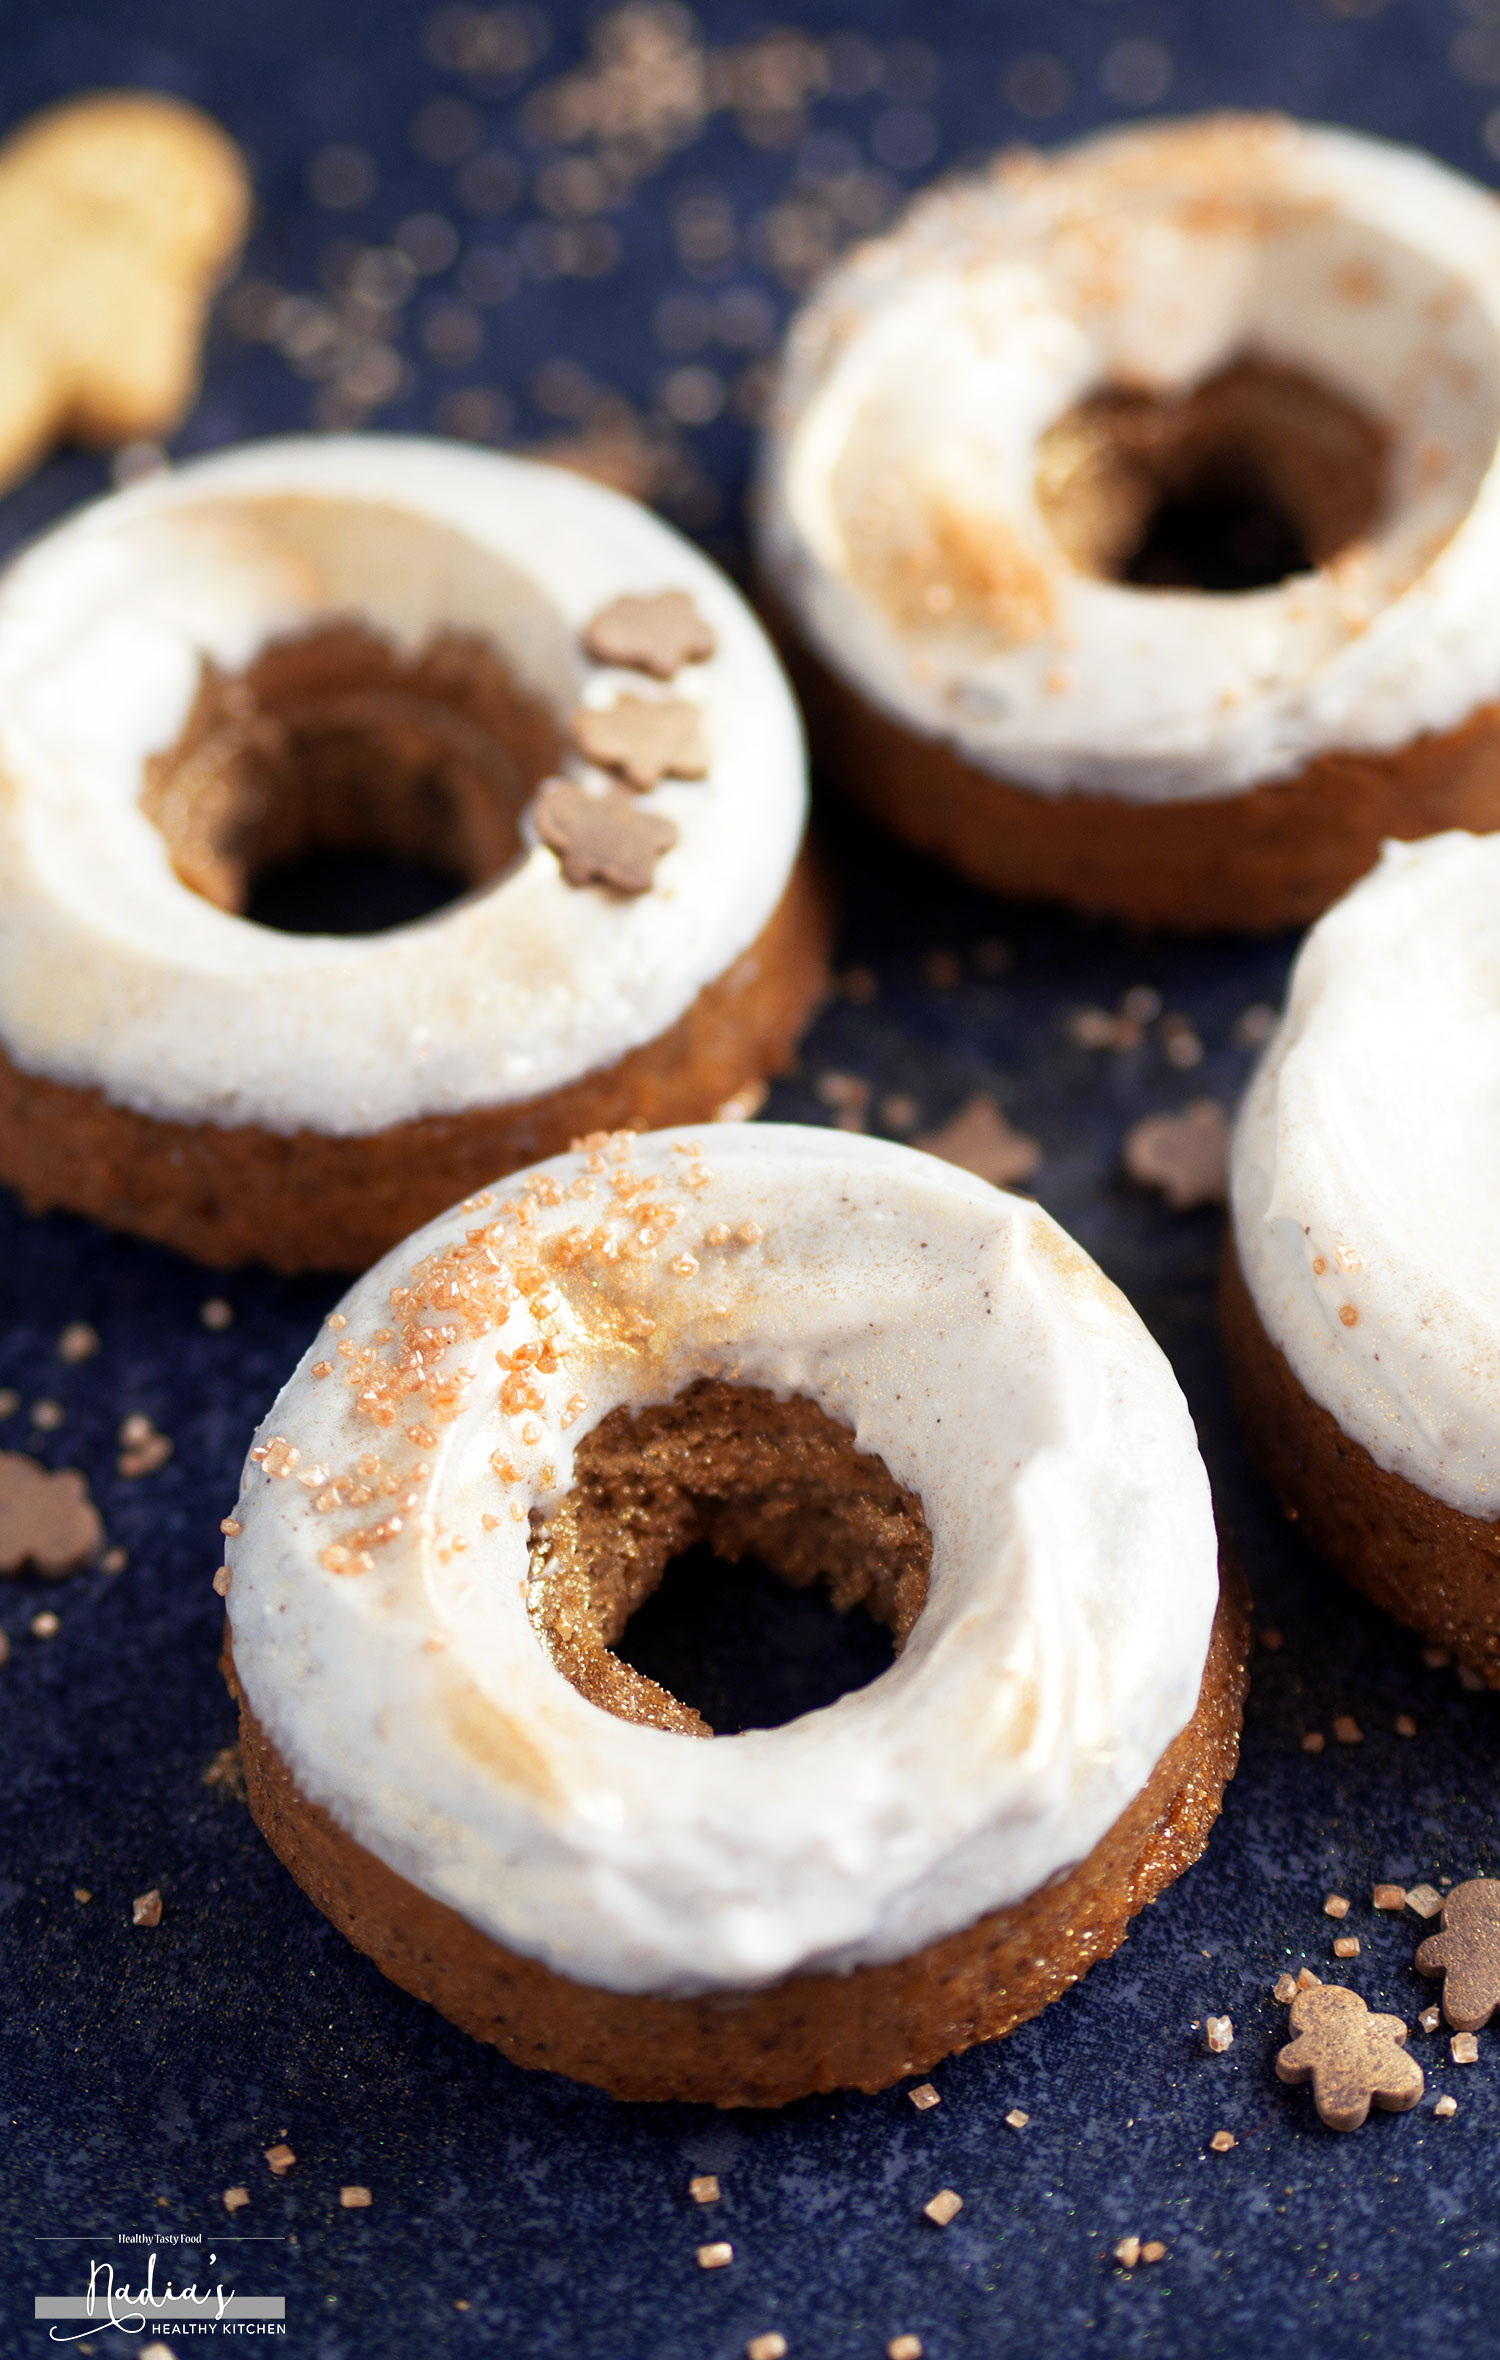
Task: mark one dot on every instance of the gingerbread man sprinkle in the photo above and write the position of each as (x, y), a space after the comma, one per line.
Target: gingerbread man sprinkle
(1352, 2059)
(602, 839)
(1467, 1953)
(46, 1521)
(644, 739)
(657, 635)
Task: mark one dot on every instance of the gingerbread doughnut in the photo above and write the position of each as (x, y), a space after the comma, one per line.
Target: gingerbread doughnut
(1137, 512)
(433, 652)
(1362, 1292)
(837, 1355)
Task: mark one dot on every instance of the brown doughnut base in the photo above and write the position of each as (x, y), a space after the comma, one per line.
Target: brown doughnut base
(1429, 1565)
(1276, 856)
(860, 2030)
(310, 1201)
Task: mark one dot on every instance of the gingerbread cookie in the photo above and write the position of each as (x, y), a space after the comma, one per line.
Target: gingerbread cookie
(1467, 1953)
(118, 214)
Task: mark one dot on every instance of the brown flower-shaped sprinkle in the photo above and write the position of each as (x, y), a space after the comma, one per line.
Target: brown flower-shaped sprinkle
(1185, 1155)
(602, 839)
(645, 739)
(1351, 2057)
(657, 635)
(46, 1521)
(1467, 1953)
(979, 1139)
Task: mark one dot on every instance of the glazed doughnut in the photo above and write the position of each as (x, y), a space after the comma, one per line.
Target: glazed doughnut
(985, 416)
(846, 1359)
(1362, 1299)
(387, 643)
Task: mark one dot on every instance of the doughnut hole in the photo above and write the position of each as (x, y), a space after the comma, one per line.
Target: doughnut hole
(728, 1473)
(1258, 473)
(339, 785)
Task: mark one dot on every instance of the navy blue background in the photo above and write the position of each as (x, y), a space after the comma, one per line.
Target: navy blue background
(144, 2071)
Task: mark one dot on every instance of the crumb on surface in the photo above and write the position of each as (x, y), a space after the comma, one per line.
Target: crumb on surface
(1222, 2141)
(1313, 1742)
(1018, 2118)
(1388, 1897)
(234, 2198)
(145, 1909)
(280, 2158)
(1463, 2048)
(716, 2256)
(1424, 1900)
(944, 2206)
(1445, 2106)
(704, 2188)
(1218, 2031)
(1347, 1730)
(923, 2096)
(354, 2197)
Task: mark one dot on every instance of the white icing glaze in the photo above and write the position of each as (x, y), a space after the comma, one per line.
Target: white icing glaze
(114, 975)
(966, 1340)
(926, 368)
(1362, 1174)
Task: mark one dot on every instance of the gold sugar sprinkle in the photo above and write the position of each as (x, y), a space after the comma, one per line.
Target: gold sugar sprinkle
(1347, 1946)
(1219, 2033)
(230, 1525)
(1347, 1730)
(1431, 2019)
(1128, 2252)
(82, 1893)
(1405, 1725)
(354, 2198)
(1222, 2141)
(235, 2198)
(1336, 1906)
(336, 1320)
(1388, 1897)
(769, 2346)
(704, 2189)
(1446, 2107)
(1018, 2118)
(322, 1368)
(221, 1581)
(216, 1313)
(717, 2256)
(114, 1560)
(47, 1416)
(78, 1341)
(1313, 1742)
(904, 2347)
(1463, 2048)
(145, 1909)
(944, 2206)
(280, 2158)
(10, 1401)
(1424, 1901)
(923, 2096)
(1306, 1979)
(1153, 2250)
(1284, 1990)
(45, 1625)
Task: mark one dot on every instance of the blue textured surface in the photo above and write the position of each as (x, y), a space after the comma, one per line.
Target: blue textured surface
(144, 2071)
